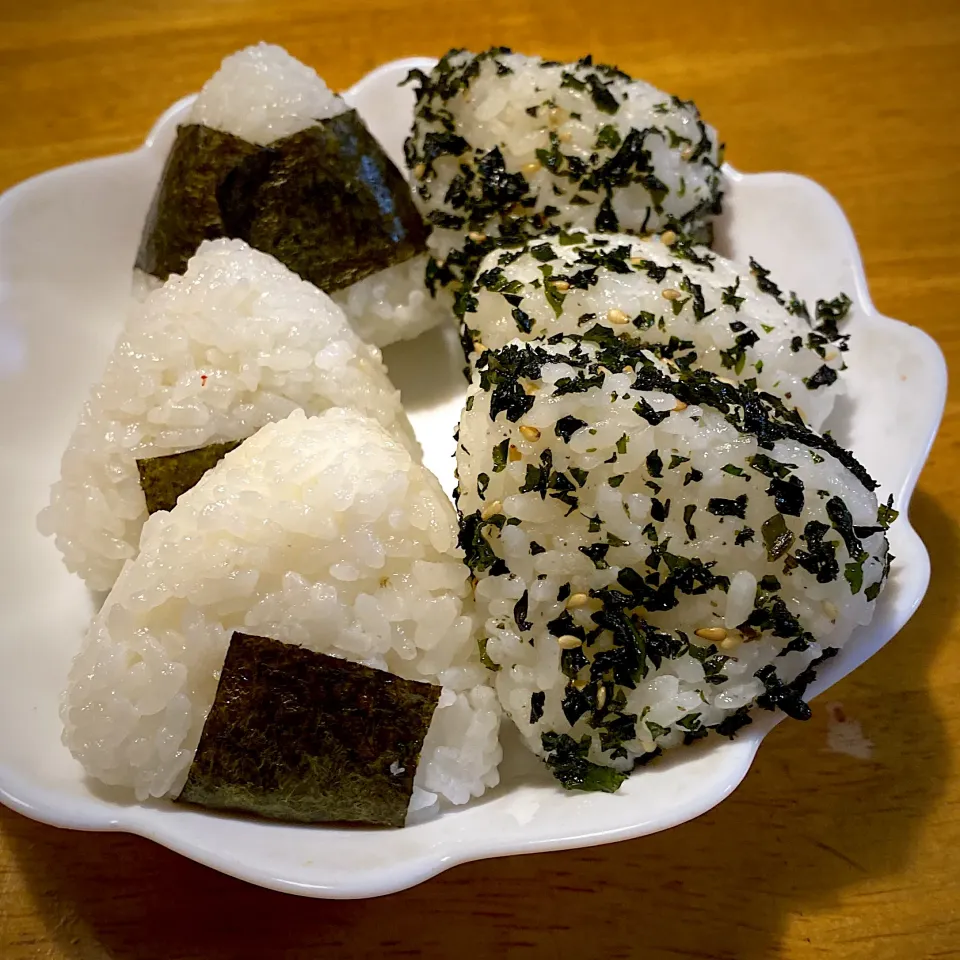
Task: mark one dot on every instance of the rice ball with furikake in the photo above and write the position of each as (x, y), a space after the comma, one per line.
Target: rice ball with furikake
(729, 318)
(655, 550)
(505, 145)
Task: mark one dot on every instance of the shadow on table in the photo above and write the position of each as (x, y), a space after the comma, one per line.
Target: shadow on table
(806, 825)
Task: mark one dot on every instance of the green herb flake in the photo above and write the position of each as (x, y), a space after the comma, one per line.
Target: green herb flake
(886, 514)
(721, 507)
(567, 760)
(484, 656)
(776, 536)
(728, 296)
(537, 699)
(500, 453)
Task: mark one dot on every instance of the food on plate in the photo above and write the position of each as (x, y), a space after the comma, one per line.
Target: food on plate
(325, 535)
(505, 145)
(655, 549)
(716, 314)
(271, 156)
(207, 359)
(655, 533)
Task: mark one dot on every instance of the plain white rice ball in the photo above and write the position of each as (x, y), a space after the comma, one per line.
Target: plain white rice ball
(261, 94)
(394, 304)
(210, 356)
(323, 532)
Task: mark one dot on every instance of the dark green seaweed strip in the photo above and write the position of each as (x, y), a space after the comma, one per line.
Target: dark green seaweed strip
(301, 736)
(327, 202)
(184, 211)
(163, 479)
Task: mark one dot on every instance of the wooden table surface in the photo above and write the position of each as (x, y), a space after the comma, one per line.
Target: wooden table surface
(818, 854)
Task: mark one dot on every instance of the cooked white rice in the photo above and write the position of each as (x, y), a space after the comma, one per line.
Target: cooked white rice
(323, 532)
(210, 356)
(734, 320)
(261, 94)
(505, 144)
(601, 489)
(394, 304)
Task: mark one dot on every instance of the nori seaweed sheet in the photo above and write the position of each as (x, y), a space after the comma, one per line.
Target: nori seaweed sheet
(327, 202)
(301, 736)
(163, 479)
(184, 211)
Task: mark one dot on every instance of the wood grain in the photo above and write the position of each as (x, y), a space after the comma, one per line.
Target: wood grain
(817, 854)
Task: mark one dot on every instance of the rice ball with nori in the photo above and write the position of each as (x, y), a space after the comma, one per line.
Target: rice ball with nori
(322, 532)
(505, 145)
(210, 357)
(725, 317)
(269, 154)
(655, 550)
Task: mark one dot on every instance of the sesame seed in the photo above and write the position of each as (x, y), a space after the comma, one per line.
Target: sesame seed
(531, 167)
(479, 347)
(679, 405)
(636, 261)
(601, 697)
(491, 510)
(514, 454)
(577, 600)
(670, 294)
(477, 237)
(562, 286)
(617, 316)
(687, 154)
(648, 746)
(830, 610)
(530, 433)
(419, 170)
(564, 136)
(557, 114)
(730, 643)
(668, 237)
(712, 634)
(529, 387)
(569, 642)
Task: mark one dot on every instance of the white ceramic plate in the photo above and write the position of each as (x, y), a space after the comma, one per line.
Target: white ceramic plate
(67, 240)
